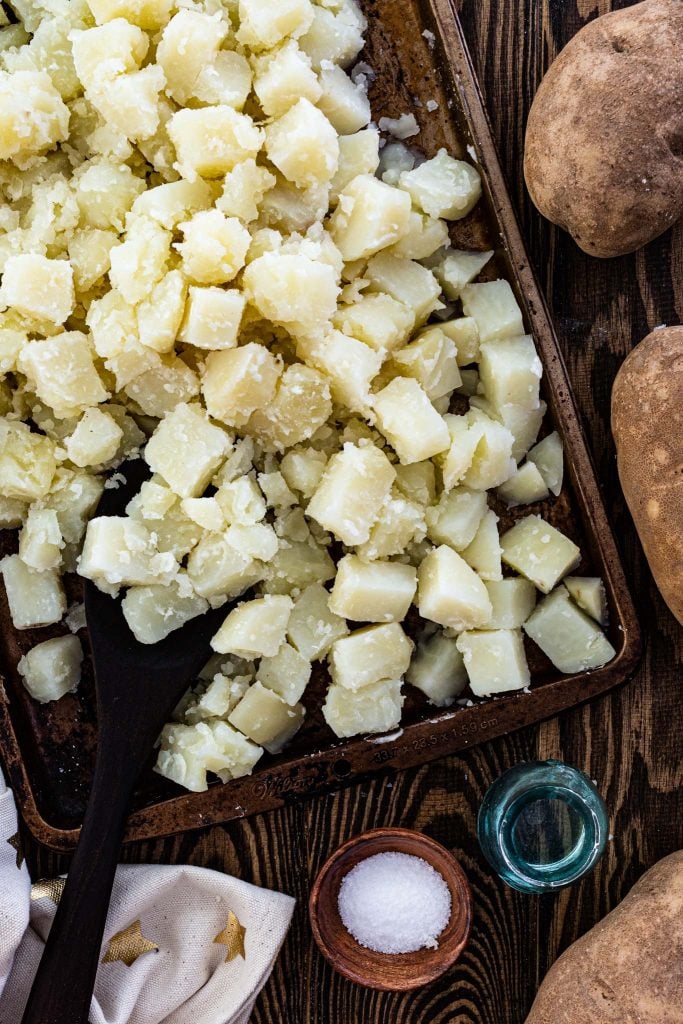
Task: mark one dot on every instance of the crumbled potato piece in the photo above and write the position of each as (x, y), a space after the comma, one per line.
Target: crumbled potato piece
(95, 440)
(442, 186)
(154, 611)
(313, 627)
(282, 77)
(33, 117)
(27, 462)
(53, 668)
(291, 289)
(188, 752)
(34, 598)
(265, 23)
(122, 552)
(378, 320)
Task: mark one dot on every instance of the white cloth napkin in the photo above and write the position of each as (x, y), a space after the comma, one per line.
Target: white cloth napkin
(180, 909)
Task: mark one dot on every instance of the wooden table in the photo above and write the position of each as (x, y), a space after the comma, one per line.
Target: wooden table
(629, 742)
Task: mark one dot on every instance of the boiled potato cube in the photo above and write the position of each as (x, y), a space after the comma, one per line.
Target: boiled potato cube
(353, 489)
(378, 320)
(303, 145)
(282, 77)
(425, 235)
(548, 457)
(443, 187)
(375, 708)
(510, 372)
(40, 541)
(372, 591)
(464, 334)
(405, 280)
(522, 423)
(492, 463)
(301, 405)
(257, 540)
(431, 360)
(53, 668)
(140, 262)
(455, 520)
(358, 154)
(409, 421)
(287, 673)
(458, 268)
(255, 628)
(96, 439)
(494, 660)
(512, 599)
(350, 367)
(484, 552)
(105, 192)
(292, 289)
(296, 565)
(335, 36)
(189, 43)
(220, 697)
(241, 501)
(438, 670)
(119, 551)
(205, 512)
(493, 307)
(450, 592)
(211, 141)
(152, 612)
(369, 655)
(63, 374)
(525, 486)
(243, 190)
(38, 287)
(589, 594)
(399, 523)
(227, 80)
(168, 383)
(212, 317)
(344, 102)
(102, 53)
(417, 482)
(266, 718)
(74, 496)
(238, 381)
(186, 450)
(538, 551)
(566, 635)
(265, 23)
(146, 14)
(173, 202)
(160, 316)
(90, 256)
(464, 435)
(313, 627)
(34, 598)
(189, 751)
(218, 571)
(33, 117)
(303, 469)
(27, 462)
(130, 103)
(370, 216)
(214, 248)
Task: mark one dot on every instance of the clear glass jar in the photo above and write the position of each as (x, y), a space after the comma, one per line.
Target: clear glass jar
(542, 826)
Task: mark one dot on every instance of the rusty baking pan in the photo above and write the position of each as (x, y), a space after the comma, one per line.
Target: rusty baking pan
(417, 50)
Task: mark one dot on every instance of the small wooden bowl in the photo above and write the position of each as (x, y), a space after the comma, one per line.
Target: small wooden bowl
(390, 972)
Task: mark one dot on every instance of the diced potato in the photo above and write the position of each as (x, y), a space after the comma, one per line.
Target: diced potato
(372, 591)
(265, 23)
(493, 307)
(513, 599)
(34, 598)
(425, 235)
(152, 612)
(484, 552)
(303, 145)
(102, 53)
(589, 594)
(456, 518)
(301, 405)
(189, 43)
(244, 188)
(369, 655)
(212, 317)
(38, 287)
(257, 540)
(303, 470)
(464, 334)
(399, 523)
(53, 668)
(450, 592)
(130, 103)
(405, 280)
(525, 486)
(205, 512)
(33, 117)
(522, 423)
(567, 636)
(313, 627)
(189, 751)
(74, 496)
(27, 462)
(63, 374)
(548, 457)
(494, 660)
(186, 449)
(168, 383)
(140, 262)
(12, 513)
(218, 571)
(160, 316)
(344, 102)
(238, 381)
(122, 552)
(173, 202)
(105, 192)
(438, 670)
(335, 36)
(510, 372)
(266, 718)
(538, 551)
(458, 268)
(353, 489)
(417, 482)
(282, 77)
(220, 697)
(443, 187)
(40, 541)
(95, 440)
(378, 320)
(358, 154)
(147, 14)
(409, 421)
(291, 289)
(370, 216)
(215, 247)
(375, 708)
(350, 366)
(287, 673)
(492, 463)
(431, 360)
(90, 256)
(209, 142)
(241, 501)
(255, 628)
(296, 565)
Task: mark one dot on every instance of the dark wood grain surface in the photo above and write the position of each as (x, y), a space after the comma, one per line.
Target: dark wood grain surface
(629, 742)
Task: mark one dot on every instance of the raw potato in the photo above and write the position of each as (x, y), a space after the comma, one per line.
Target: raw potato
(627, 967)
(602, 154)
(647, 424)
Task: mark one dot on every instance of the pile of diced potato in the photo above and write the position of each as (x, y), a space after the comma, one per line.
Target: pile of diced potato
(210, 259)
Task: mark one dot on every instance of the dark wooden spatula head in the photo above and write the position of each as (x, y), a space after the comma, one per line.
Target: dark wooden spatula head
(138, 685)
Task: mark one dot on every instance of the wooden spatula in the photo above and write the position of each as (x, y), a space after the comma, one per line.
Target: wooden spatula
(138, 686)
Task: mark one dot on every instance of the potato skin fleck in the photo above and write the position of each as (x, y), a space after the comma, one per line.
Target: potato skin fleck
(604, 142)
(647, 423)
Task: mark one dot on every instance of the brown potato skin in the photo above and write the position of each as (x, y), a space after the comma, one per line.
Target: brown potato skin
(629, 968)
(604, 141)
(647, 423)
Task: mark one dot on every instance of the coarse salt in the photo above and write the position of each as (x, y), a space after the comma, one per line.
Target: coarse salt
(394, 903)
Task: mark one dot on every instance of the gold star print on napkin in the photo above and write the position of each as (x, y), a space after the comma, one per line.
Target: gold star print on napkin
(232, 936)
(15, 843)
(128, 945)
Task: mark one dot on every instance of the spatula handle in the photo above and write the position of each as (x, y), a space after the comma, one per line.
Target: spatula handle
(63, 987)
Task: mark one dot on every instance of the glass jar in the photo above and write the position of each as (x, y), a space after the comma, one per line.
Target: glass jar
(542, 826)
